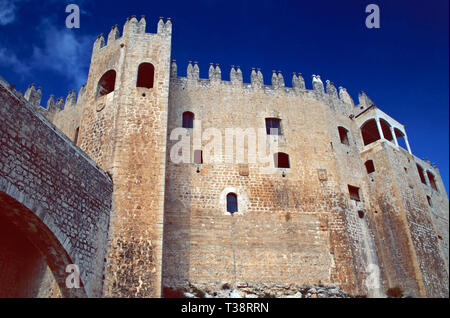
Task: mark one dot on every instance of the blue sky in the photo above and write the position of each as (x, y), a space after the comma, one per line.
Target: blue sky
(403, 66)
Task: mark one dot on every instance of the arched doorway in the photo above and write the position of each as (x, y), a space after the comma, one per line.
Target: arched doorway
(28, 249)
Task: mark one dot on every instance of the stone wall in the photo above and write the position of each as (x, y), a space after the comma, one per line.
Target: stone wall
(124, 132)
(288, 230)
(56, 196)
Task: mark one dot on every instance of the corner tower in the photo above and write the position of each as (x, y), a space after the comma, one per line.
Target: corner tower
(123, 128)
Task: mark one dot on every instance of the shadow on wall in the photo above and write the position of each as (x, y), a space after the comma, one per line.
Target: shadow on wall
(177, 217)
(26, 247)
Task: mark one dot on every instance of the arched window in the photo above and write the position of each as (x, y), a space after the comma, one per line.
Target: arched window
(281, 160)
(343, 135)
(146, 74)
(369, 131)
(432, 180)
(232, 203)
(370, 167)
(273, 126)
(386, 128)
(106, 83)
(400, 138)
(188, 120)
(421, 175)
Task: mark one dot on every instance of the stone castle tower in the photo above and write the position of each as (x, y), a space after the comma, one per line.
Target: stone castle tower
(342, 203)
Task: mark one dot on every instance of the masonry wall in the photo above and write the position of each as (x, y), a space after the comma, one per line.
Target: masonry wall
(407, 241)
(124, 132)
(289, 230)
(68, 120)
(350, 170)
(169, 226)
(54, 194)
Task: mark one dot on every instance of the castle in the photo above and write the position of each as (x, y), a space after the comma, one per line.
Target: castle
(92, 181)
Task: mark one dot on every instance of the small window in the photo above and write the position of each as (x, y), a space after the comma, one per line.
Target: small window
(432, 180)
(106, 83)
(361, 214)
(232, 204)
(188, 120)
(146, 73)
(281, 160)
(75, 139)
(370, 167)
(429, 201)
(343, 135)
(198, 157)
(354, 193)
(273, 126)
(421, 175)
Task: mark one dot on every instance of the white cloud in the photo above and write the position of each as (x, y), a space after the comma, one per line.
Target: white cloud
(10, 60)
(8, 10)
(64, 51)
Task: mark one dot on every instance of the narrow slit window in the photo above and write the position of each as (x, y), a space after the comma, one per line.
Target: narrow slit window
(75, 139)
(429, 201)
(281, 160)
(188, 120)
(232, 203)
(354, 193)
(273, 126)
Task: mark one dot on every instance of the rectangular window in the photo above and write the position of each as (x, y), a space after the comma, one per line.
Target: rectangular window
(354, 193)
(432, 180)
(198, 157)
(343, 135)
(273, 126)
(421, 175)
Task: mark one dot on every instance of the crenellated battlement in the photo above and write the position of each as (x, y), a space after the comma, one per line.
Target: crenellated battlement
(34, 97)
(328, 93)
(319, 169)
(132, 27)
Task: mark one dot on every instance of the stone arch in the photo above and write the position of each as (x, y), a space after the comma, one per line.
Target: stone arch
(400, 136)
(37, 229)
(106, 84)
(369, 131)
(386, 128)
